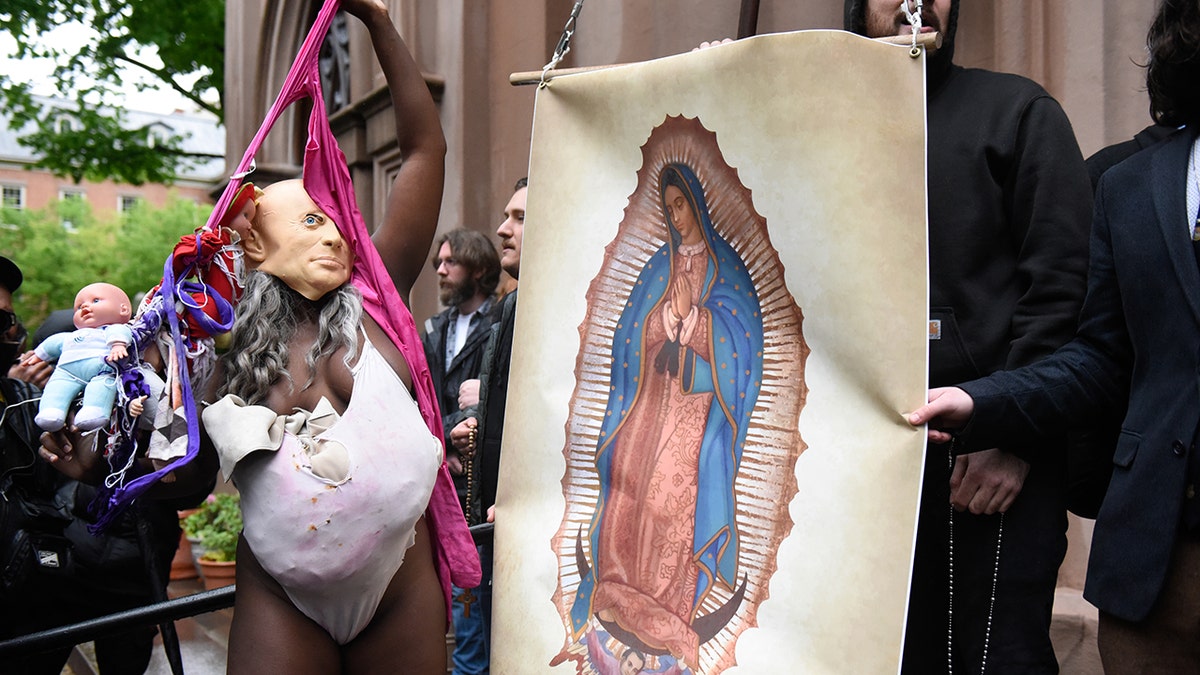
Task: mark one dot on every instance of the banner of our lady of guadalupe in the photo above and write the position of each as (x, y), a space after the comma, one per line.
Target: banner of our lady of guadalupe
(722, 317)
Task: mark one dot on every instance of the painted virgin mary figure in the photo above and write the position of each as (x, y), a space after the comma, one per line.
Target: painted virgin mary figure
(686, 366)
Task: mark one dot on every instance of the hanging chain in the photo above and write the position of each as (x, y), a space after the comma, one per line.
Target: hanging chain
(950, 581)
(914, 20)
(564, 42)
(987, 633)
(471, 488)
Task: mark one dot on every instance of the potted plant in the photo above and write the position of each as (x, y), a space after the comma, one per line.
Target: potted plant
(183, 565)
(216, 525)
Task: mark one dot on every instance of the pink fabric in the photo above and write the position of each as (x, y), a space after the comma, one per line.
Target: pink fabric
(327, 180)
(649, 575)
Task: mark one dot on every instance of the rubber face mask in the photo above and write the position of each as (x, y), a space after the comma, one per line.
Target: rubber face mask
(295, 241)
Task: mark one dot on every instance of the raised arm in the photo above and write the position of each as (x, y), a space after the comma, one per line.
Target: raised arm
(410, 218)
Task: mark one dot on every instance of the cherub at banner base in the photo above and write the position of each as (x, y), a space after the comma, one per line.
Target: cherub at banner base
(677, 495)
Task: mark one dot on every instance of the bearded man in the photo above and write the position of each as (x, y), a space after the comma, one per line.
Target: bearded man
(468, 270)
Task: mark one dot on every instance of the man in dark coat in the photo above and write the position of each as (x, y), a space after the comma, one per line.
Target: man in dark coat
(1137, 344)
(468, 270)
(480, 434)
(1008, 214)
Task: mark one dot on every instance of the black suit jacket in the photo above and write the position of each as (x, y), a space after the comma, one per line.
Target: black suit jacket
(464, 366)
(1139, 339)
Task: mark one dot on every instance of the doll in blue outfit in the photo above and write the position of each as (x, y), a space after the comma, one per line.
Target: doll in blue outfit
(85, 359)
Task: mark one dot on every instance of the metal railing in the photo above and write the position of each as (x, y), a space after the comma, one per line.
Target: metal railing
(156, 614)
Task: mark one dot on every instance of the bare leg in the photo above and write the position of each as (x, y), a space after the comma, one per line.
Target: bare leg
(269, 635)
(408, 633)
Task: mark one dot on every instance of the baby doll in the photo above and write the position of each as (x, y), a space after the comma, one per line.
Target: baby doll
(84, 359)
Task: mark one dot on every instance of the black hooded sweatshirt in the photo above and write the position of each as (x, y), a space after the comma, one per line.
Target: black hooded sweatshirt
(1009, 214)
(1009, 217)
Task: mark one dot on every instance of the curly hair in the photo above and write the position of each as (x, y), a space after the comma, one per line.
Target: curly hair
(1174, 68)
(266, 323)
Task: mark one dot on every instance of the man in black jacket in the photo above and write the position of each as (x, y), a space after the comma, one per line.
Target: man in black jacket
(1137, 344)
(1009, 205)
(493, 390)
(468, 270)
(486, 418)
(480, 434)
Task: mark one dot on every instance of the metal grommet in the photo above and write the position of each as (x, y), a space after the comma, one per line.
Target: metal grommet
(914, 52)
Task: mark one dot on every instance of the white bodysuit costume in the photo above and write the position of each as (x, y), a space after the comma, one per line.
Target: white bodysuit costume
(332, 512)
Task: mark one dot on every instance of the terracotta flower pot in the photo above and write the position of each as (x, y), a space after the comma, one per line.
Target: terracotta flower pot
(197, 551)
(182, 565)
(217, 574)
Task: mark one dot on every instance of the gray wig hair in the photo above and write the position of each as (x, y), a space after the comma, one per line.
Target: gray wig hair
(266, 323)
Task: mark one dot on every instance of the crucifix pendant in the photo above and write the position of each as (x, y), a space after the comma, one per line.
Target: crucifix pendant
(466, 598)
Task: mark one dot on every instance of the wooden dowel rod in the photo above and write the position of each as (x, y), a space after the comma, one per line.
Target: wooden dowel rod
(923, 40)
(535, 76)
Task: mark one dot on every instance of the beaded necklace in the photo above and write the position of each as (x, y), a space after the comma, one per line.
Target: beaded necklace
(987, 634)
(1193, 172)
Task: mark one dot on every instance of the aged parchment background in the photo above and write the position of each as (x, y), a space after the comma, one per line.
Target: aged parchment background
(827, 131)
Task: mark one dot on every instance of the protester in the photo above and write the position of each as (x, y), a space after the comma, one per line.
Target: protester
(1135, 346)
(468, 270)
(378, 607)
(479, 436)
(1008, 202)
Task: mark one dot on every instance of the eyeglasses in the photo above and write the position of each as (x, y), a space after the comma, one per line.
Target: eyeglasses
(7, 320)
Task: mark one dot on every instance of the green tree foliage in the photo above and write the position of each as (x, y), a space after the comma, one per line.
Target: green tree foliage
(89, 138)
(65, 247)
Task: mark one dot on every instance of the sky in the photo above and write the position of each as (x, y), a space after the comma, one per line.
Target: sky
(38, 71)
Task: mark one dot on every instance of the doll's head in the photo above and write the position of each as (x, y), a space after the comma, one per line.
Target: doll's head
(101, 304)
(240, 214)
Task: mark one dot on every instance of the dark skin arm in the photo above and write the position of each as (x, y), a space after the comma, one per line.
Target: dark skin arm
(76, 456)
(410, 218)
(72, 454)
